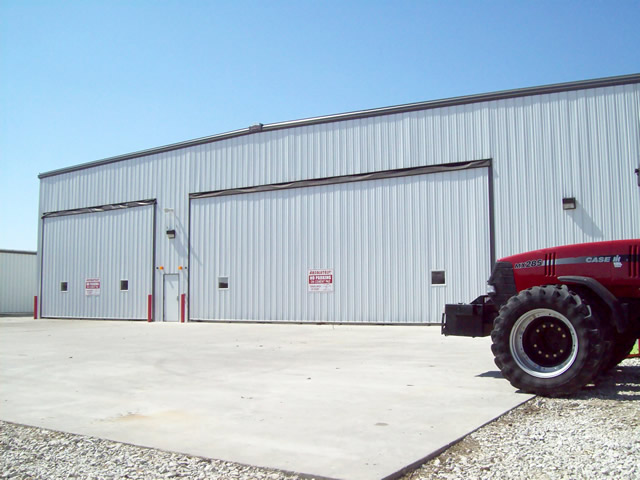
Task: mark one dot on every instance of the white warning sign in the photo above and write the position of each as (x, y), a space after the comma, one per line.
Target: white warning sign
(92, 286)
(320, 280)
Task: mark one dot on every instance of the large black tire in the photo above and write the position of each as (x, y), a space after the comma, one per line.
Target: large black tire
(622, 344)
(607, 331)
(547, 341)
(618, 344)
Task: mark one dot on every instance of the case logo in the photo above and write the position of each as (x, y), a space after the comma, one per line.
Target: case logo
(617, 261)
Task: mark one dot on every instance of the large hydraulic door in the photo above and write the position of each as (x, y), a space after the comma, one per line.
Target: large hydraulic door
(393, 250)
(98, 264)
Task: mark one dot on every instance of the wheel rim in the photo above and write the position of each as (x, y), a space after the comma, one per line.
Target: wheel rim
(544, 343)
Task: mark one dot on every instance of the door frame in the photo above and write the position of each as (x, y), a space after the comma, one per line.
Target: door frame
(486, 163)
(164, 297)
(96, 209)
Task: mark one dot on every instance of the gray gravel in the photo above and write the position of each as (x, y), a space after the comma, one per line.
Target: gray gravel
(591, 435)
(594, 434)
(35, 453)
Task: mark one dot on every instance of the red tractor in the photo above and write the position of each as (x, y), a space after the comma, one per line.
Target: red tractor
(557, 317)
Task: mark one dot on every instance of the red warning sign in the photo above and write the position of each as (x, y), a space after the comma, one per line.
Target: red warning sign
(320, 280)
(92, 286)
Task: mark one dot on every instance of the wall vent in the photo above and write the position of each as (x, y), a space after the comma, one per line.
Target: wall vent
(634, 261)
(550, 264)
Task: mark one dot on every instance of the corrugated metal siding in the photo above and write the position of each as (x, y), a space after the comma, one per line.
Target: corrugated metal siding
(18, 282)
(382, 238)
(407, 140)
(112, 246)
(582, 143)
(163, 177)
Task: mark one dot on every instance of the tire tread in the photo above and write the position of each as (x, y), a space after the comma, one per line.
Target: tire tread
(591, 348)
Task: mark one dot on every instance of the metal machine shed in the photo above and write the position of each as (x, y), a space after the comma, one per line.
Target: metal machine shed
(377, 216)
(18, 283)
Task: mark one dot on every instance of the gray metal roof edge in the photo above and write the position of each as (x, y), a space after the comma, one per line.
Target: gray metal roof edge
(21, 252)
(409, 107)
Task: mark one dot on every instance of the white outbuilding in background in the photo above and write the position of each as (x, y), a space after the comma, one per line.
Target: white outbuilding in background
(18, 282)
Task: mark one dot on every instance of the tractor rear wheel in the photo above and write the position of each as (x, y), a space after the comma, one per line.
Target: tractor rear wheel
(546, 340)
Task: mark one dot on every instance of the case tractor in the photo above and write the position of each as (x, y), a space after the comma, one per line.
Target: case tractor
(558, 317)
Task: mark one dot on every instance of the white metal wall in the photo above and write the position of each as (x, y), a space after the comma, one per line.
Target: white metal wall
(583, 144)
(381, 238)
(112, 246)
(161, 176)
(18, 282)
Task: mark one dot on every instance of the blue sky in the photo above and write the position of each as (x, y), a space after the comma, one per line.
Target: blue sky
(85, 80)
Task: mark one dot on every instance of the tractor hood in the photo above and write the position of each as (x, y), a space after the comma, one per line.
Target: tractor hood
(614, 264)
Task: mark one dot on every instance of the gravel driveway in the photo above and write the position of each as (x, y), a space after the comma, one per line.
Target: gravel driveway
(594, 434)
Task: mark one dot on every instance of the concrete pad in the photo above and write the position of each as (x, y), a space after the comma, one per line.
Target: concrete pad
(351, 402)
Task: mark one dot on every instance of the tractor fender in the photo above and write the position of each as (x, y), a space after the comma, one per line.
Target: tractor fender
(619, 310)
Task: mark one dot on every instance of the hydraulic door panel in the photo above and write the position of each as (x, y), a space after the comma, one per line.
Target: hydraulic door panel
(392, 251)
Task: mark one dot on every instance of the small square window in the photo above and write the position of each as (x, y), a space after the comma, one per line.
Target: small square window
(64, 287)
(437, 277)
(124, 285)
(223, 283)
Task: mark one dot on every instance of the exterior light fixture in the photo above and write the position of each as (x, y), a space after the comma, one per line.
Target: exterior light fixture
(170, 222)
(569, 203)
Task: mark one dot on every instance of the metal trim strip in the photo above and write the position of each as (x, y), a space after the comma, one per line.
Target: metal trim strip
(97, 319)
(492, 214)
(189, 261)
(153, 262)
(100, 208)
(284, 322)
(41, 284)
(19, 252)
(402, 172)
(410, 107)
